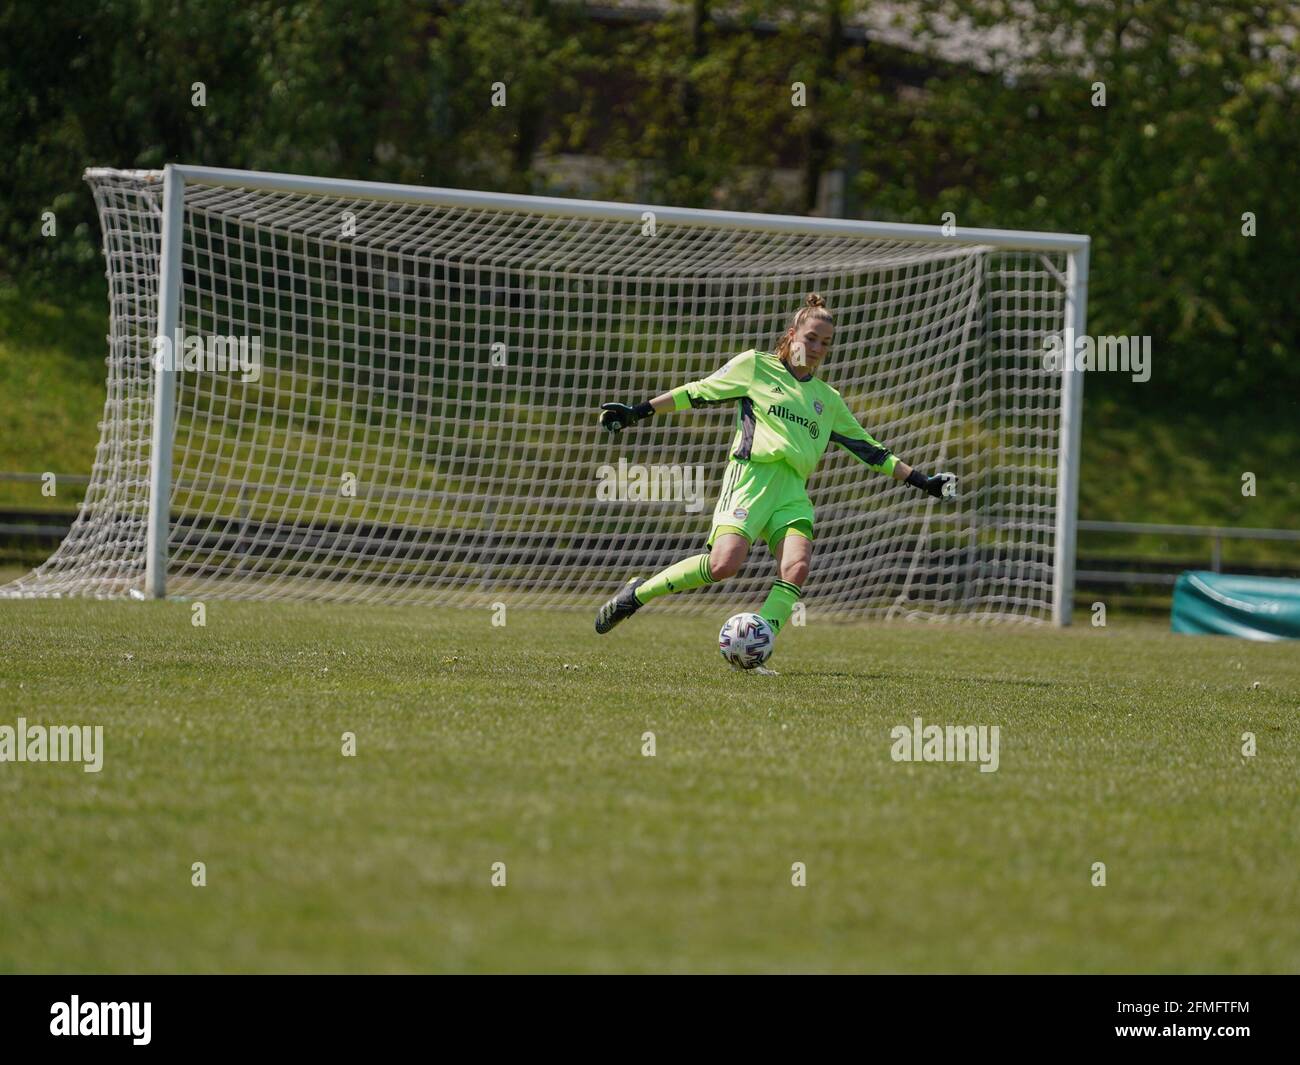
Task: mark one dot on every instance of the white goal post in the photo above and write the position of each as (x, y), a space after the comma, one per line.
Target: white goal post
(388, 393)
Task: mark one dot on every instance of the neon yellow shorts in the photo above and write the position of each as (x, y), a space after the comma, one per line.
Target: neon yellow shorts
(762, 501)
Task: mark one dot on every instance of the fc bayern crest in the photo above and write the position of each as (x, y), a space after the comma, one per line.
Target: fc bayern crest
(817, 405)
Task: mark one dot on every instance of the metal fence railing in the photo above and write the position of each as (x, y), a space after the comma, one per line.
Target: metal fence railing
(1136, 569)
(1216, 534)
(19, 523)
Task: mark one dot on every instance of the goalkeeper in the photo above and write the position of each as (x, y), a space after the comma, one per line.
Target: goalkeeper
(785, 419)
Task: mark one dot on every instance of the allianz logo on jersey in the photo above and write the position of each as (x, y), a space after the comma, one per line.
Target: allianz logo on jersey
(777, 411)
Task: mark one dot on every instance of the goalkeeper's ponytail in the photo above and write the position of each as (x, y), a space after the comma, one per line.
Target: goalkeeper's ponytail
(814, 306)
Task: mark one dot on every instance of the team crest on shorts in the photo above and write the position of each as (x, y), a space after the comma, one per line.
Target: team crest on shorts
(741, 513)
(817, 405)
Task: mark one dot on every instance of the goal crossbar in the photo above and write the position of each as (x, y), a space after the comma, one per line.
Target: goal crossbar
(608, 209)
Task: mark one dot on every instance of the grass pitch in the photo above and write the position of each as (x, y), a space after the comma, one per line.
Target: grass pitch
(475, 745)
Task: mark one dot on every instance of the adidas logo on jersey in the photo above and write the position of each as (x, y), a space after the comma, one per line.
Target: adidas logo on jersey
(777, 388)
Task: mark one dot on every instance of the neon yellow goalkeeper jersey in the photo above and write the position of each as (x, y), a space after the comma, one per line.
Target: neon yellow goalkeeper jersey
(781, 417)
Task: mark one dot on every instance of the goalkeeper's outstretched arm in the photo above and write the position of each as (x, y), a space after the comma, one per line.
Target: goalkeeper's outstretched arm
(615, 417)
(730, 382)
(849, 434)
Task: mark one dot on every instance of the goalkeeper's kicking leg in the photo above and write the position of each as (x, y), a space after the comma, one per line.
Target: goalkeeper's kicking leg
(730, 549)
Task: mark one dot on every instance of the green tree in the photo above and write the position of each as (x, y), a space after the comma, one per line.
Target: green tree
(1201, 124)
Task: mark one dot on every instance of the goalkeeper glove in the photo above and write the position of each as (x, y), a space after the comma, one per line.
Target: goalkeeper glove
(615, 417)
(941, 485)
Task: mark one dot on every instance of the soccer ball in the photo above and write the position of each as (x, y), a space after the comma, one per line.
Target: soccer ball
(746, 641)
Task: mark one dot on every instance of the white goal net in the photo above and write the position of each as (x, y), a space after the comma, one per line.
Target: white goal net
(415, 417)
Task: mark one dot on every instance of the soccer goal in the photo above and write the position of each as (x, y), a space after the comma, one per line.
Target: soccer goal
(370, 392)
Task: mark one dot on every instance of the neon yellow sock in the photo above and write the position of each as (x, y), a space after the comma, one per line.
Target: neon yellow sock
(780, 601)
(681, 576)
